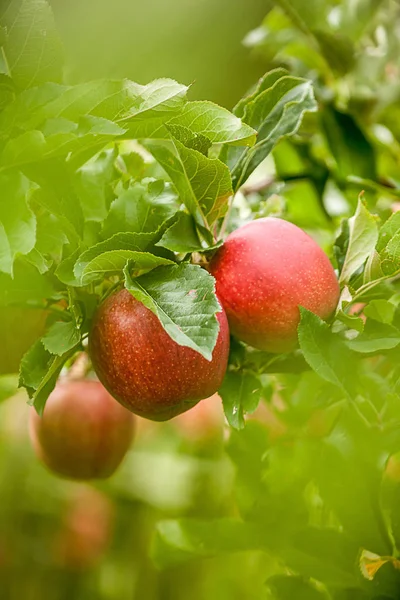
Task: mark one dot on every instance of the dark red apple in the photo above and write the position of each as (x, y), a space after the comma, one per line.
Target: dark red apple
(84, 433)
(143, 368)
(264, 271)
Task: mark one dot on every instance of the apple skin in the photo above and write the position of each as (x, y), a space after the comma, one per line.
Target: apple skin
(84, 433)
(264, 271)
(143, 368)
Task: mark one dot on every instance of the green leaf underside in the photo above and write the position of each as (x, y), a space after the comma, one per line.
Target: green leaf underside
(274, 112)
(362, 240)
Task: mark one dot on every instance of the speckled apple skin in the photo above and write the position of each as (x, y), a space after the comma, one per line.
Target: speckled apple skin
(84, 433)
(143, 368)
(264, 271)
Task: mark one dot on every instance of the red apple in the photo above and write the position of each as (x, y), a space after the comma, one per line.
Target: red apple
(143, 368)
(84, 433)
(265, 270)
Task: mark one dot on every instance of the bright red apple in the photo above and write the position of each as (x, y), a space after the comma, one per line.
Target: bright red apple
(84, 433)
(143, 368)
(264, 271)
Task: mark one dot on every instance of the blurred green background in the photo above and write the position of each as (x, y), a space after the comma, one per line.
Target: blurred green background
(192, 41)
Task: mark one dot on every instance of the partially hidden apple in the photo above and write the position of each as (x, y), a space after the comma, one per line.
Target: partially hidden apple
(264, 271)
(83, 433)
(144, 368)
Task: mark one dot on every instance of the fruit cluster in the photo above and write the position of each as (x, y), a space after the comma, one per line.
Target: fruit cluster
(264, 271)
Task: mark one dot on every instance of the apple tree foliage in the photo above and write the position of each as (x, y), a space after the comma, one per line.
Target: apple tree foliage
(110, 183)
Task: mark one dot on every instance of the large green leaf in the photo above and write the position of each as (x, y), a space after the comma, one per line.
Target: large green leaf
(275, 112)
(204, 184)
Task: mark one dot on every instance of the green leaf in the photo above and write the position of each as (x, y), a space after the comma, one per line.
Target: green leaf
(86, 137)
(26, 148)
(265, 82)
(185, 539)
(17, 221)
(61, 337)
(50, 236)
(215, 123)
(65, 270)
(92, 184)
(326, 354)
(39, 371)
(375, 337)
(183, 298)
(120, 242)
(380, 310)
(182, 235)
(34, 257)
(284, 587)
(124, 102)
(352, 151)
(57, 196)
(363, 235)
(196, 141)
(8, 386)
(241, 394)
(141, 209)
(275, 112)
(32, 46)
(388, 230)
(113, 262)
(204, 184)
(390, 255)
